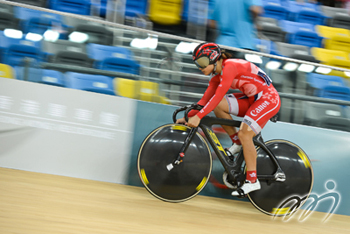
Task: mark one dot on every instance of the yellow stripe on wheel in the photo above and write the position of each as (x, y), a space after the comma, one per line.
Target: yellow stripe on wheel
(144, 177)
(303, 157)
(179, 127)
(201, 184)
(280, 211)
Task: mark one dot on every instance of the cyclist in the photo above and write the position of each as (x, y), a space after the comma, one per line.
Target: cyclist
(257, 102)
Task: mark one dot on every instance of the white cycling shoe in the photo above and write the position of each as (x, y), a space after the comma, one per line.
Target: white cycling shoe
(247, 188)
(235, 148)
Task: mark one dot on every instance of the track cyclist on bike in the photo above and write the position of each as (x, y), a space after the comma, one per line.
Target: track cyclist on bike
(257, 103)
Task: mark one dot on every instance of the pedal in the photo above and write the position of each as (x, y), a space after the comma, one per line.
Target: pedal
(241, 193)
(228, 183)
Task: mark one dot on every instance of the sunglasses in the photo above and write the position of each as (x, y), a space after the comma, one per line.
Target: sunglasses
(202, 62)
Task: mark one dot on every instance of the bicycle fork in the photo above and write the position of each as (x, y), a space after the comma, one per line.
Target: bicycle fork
(183, 149)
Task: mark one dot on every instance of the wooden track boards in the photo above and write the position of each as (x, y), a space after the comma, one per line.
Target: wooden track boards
(35, 203)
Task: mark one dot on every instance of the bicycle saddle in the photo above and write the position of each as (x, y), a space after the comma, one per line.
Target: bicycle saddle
(274, 118)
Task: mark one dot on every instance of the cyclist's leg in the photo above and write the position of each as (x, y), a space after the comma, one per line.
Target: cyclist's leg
(231, 104)
(222, 111)
(246, 135)
(235, 104)
(255, 119)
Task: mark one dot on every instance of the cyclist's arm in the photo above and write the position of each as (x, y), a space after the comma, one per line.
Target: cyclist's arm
(208, 94)
(228, 75)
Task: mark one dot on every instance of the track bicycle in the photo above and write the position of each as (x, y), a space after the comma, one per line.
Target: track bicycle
(174, 164)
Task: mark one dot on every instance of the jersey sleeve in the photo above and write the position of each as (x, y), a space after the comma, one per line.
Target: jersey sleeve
(228, 74)
(208, 94)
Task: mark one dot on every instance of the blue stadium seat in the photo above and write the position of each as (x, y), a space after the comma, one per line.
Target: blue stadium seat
(88, 82)
(335, 92)
(318, 82)
(301, 33)
(306, 13)
(13, 51)
(275, 9)
(81, 7)
(101, 6)
(113, 58)
(266, 46)
(134, 8)
(45, 76)
(36, 21)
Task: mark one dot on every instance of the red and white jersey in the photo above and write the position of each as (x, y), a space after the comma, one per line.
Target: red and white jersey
(236, 74)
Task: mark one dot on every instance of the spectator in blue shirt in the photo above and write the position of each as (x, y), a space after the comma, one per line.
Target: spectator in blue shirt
(234, 21)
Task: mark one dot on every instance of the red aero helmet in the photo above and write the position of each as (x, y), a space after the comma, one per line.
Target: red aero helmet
(205, 54)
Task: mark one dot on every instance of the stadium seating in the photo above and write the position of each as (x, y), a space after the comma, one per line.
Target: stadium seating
(299, 52)
(335, 38)
(18, 51)
(6, 8)
(88, 82)
(337, 17)
(306, 13)
(66, 52)
(98, 34)
(335, 92)
(72, 58)
(165, 12)
(136, 8)
(301, 33)
(113, 58)
(271, 32)
(72, 22)
(319, 82)
(333, 11)
(332, 58)
(325, 115)
(126, 87)
(137, 89)
(274, 9)
(266, 20)
(44, 76)
(149, 91)
(39, 3)
(99, 8)
(266, 46)
(8, 20)
(81, 7)
(340, 21)
(36, 21)
(7, 71)
(314, 111)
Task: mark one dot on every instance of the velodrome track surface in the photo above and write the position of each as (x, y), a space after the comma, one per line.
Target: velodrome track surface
(35, 203)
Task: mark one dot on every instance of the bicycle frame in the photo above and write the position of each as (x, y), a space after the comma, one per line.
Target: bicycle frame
(232, 168)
